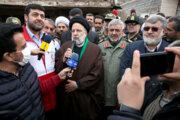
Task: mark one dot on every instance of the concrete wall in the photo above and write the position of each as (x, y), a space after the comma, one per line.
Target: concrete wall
(142, 6)
(169, 7)
(54, 8)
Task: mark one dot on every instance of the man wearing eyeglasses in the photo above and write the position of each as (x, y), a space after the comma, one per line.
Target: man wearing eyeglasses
(133, 27)
(152, 41)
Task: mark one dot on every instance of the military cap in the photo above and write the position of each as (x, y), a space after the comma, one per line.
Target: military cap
(110, 16)
(133, 18)
(13, 20)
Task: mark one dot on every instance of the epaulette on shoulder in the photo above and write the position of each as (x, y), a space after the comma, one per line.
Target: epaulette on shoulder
(100, 41)
(130, 41)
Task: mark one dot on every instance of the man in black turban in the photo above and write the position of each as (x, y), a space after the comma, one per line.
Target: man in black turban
(81, 96)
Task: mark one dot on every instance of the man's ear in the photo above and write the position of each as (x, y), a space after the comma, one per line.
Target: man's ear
(178, 35)
(25, 17)
(7, 56)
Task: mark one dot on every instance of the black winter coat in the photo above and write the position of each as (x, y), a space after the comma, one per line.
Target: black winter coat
(14, 96)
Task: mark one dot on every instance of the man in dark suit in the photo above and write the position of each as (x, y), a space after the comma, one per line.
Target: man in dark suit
(152, 41)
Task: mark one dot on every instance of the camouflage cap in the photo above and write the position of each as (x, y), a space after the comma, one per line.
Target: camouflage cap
(110, 16)
(133, 18)
(14, 20)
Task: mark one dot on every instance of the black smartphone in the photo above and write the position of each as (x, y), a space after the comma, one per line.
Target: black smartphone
(156, 63)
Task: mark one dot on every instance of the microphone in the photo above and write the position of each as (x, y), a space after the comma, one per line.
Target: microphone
(72, 45)
(72, 63)
(45, 44)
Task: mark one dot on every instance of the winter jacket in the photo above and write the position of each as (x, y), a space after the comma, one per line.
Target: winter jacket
(21, 94)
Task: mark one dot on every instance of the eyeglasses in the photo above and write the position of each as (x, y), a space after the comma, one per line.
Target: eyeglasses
(154, 29)
(132, 23)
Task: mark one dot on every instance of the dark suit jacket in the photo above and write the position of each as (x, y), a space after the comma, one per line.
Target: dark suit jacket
(126, 60)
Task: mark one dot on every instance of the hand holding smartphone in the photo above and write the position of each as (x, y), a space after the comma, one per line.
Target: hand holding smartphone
(156, 63)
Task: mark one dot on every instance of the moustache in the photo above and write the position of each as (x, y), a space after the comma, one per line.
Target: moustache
(39, 21)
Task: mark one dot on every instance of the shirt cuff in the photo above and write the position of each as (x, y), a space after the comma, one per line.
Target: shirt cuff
(124, 108)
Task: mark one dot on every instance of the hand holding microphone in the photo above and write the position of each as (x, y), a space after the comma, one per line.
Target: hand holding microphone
(45, 44)
(72, 63)
(68, 53)
(71, 85)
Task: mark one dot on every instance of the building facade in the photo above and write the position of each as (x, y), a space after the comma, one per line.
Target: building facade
(54, 8)
(148, 7)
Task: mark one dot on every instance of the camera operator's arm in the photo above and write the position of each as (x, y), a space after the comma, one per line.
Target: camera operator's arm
(176, 70)
(131, 87)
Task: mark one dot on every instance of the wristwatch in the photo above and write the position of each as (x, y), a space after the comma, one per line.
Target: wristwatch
(124, 108)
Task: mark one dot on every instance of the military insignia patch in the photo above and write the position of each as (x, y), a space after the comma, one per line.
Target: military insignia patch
(106, 44)
(122, 45)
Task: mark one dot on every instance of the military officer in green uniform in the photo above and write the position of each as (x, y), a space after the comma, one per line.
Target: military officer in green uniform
(133, 28)
(107, 19)
(112, 50)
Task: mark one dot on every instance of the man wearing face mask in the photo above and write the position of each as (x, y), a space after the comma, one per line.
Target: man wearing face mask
(112, 50)
(81, 97)
(19, 85)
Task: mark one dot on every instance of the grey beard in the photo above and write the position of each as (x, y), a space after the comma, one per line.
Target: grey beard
(117, 40)
(154, 41)
(80, 42)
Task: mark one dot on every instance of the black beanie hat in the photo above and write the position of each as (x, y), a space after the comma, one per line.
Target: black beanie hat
(81, 20)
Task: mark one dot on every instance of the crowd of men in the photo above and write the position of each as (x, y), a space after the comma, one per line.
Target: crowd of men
(37, 83)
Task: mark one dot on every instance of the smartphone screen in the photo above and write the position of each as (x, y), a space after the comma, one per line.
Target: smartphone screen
(156, 63)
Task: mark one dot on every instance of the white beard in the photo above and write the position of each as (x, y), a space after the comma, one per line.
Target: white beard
(154, 41)
(116, 40)
(80, 41)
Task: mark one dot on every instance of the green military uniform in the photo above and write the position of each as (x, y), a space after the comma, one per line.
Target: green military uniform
(111, 60)
(134, 38)
(101, 36)
(135, 19)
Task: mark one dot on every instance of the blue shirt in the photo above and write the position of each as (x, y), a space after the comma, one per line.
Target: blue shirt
(38, 42)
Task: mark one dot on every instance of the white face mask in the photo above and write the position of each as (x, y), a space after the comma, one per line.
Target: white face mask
(26, 56)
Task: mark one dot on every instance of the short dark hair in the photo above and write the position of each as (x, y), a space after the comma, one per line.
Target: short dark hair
(176, 20)
(7, 44)
(33, 6)
(99, 17)
(75, 11)
(89, 14)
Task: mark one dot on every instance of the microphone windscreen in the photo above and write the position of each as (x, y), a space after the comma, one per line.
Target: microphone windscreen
(45, 44)
(73, 62)
(47, 38)
(75, 56)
